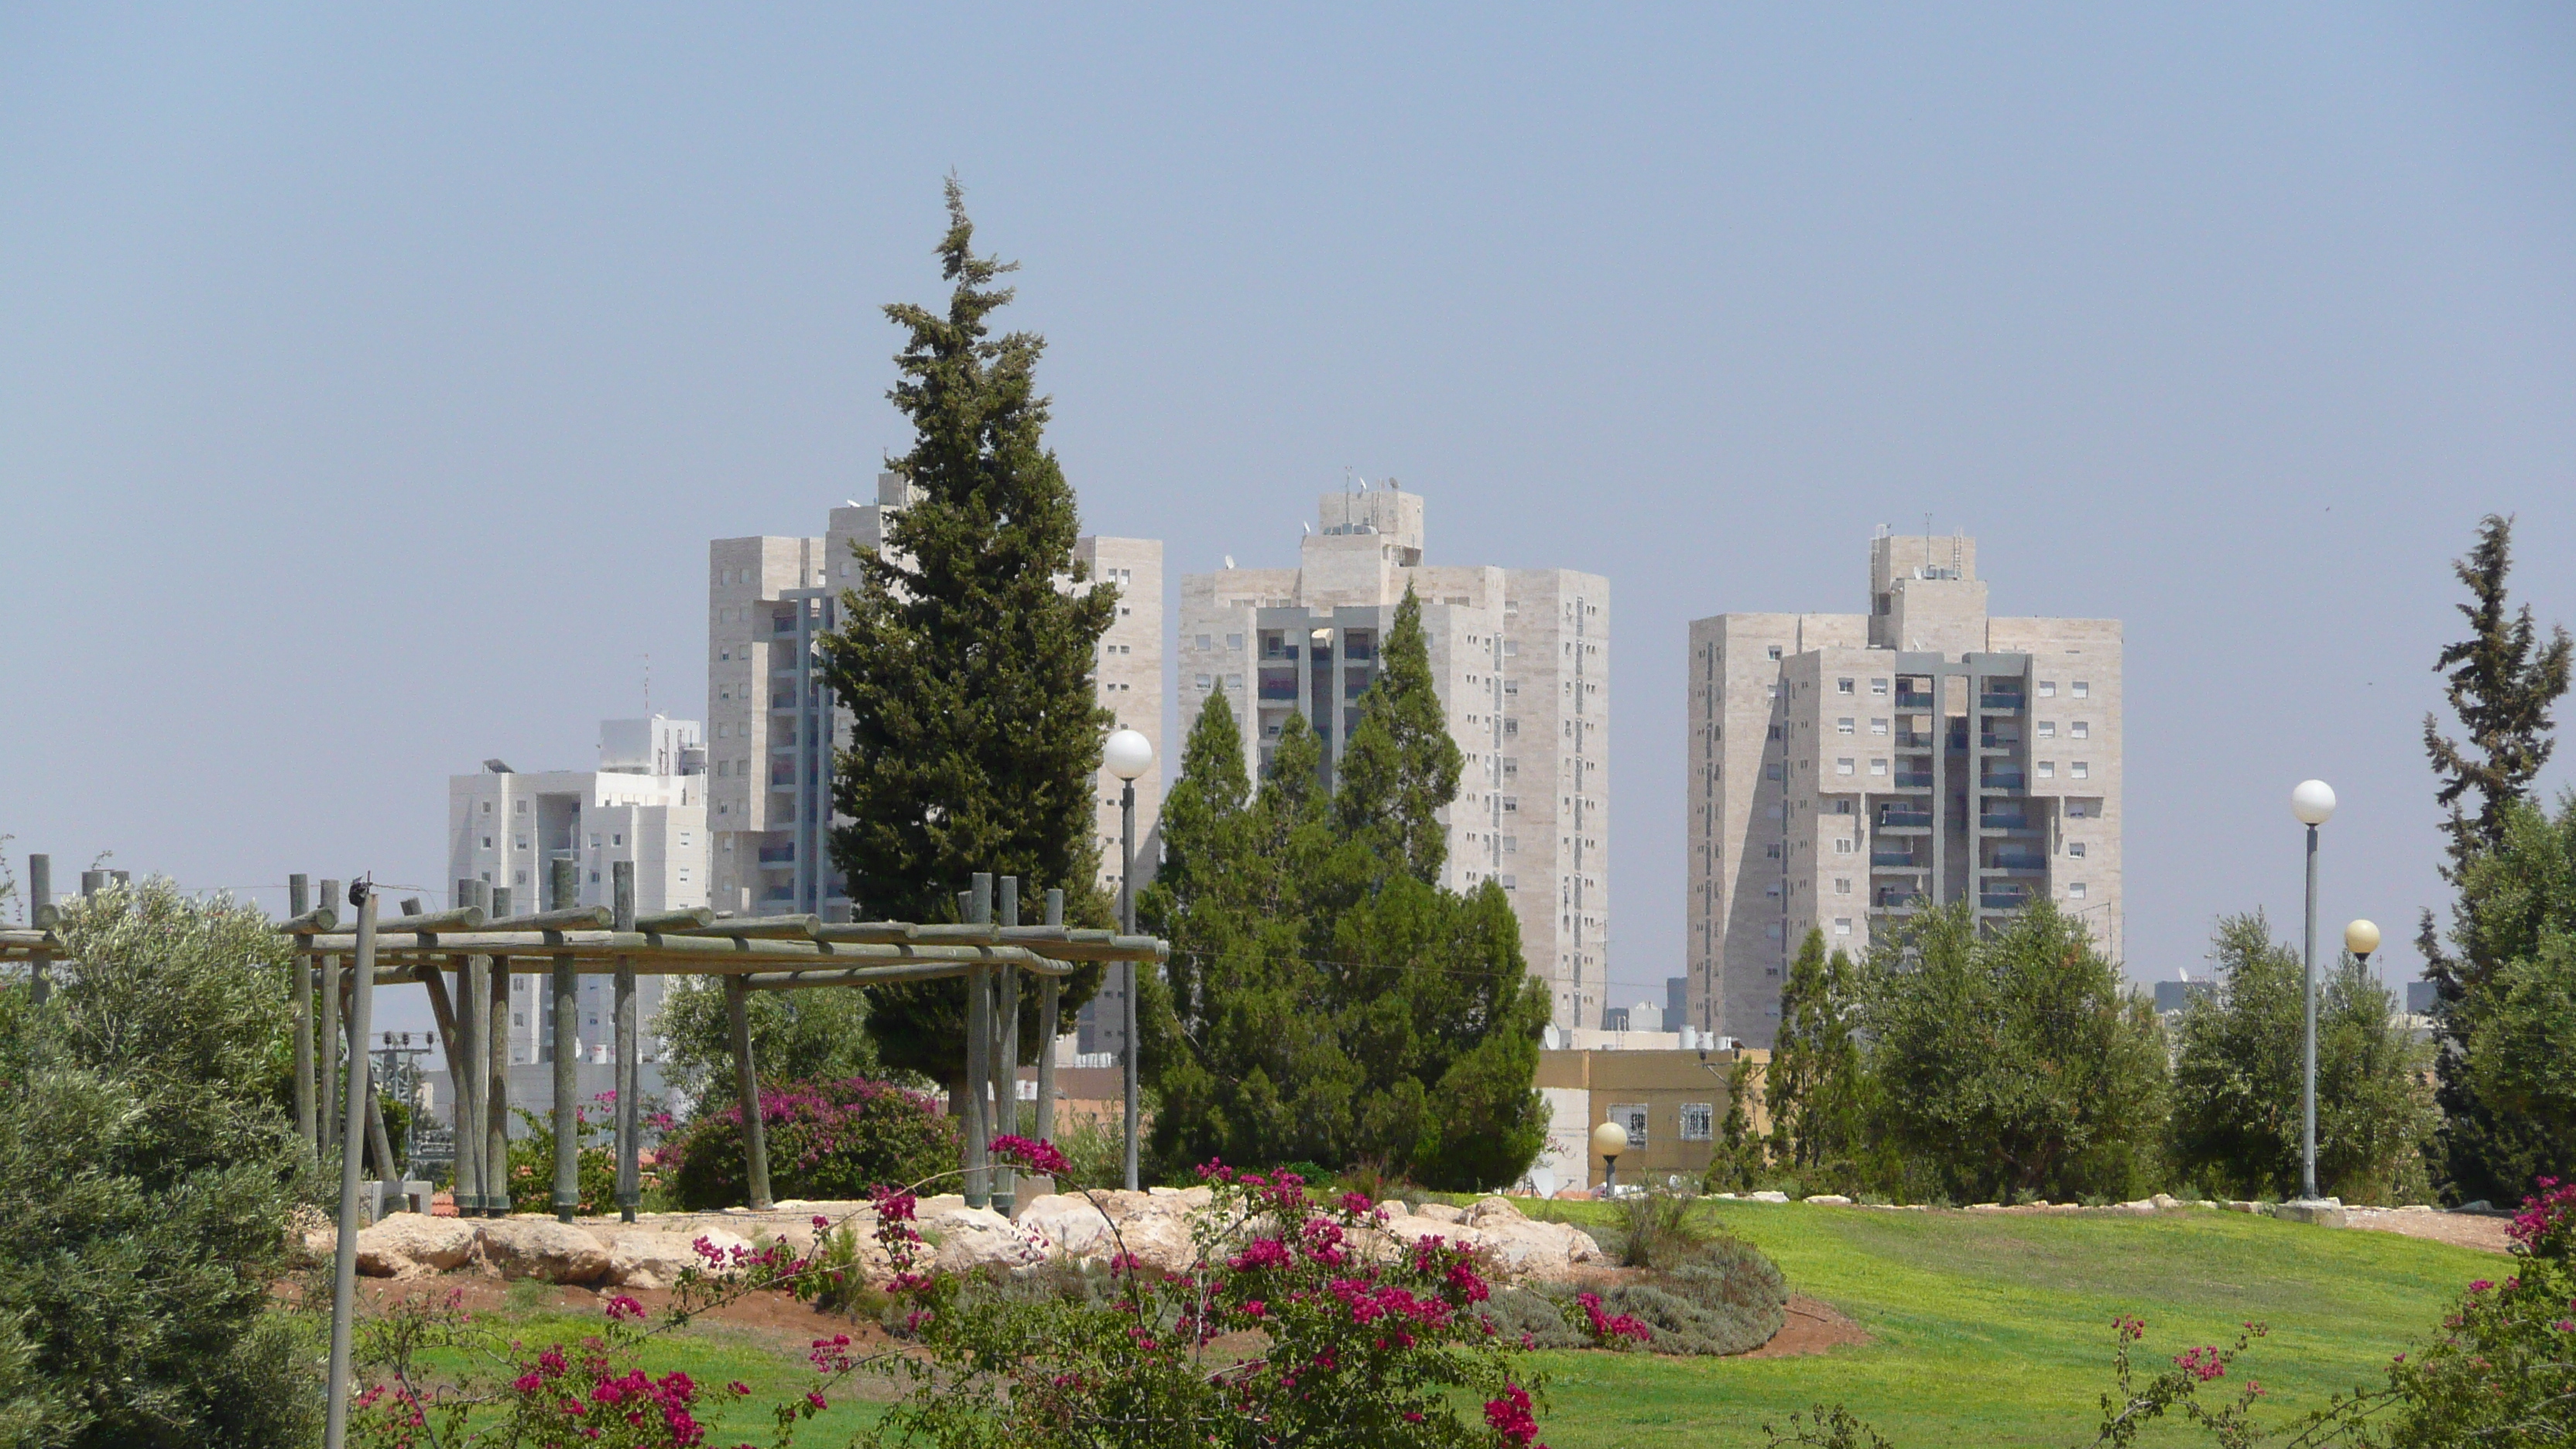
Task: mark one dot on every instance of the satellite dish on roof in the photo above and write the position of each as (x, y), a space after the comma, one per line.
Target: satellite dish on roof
(1229, 560)
(1548, 1037)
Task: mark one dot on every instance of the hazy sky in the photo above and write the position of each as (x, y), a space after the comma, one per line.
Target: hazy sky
(370, 383)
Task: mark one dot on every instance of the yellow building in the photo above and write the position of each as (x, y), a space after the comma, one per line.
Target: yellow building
(1671, 1103)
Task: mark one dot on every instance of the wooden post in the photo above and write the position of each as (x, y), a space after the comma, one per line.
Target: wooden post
(344, 1261)
(497, 1198)
(1048, 990)
(327, 1040)
(459, 1055)
(299, 899)
(564, 876)
(630, 1176)
(1006, 1054)
(979, 1044)
(40, 914)
(467, 1066)
(746, 1087)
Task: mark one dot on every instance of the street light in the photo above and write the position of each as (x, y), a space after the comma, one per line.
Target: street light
(2314, 804)
(1610, 1139)
(1128, 754)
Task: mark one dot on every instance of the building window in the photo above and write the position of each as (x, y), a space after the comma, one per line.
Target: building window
(1698, 1121)
(1843, 846)
(2048, 729)
(1878, 688)
(1842, 885)
(1633, 1117)
(594, 840)
(594, 877)
(487, 807)
(1773, 652)
(487, 842)
(618, 839)
(523, 878)
(1233, 641)
(2082, 769)
(2080, 729)
(1878, 726)
(1204, 642)
(523, 807)
(2048, 689)
(1845, 767)
(2081, 689)
(1842, 807)
(1843, 686)
(2075, 810)
(2075, 848)
(1842, 925)
(2075, 890)
(2048, 769)
(1771, 772)
(1204, 682)
(1878, 767)
(1844, 725)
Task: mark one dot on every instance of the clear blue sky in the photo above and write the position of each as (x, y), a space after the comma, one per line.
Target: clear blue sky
(371, 381)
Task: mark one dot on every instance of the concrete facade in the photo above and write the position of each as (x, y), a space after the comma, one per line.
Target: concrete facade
(1521, 662)
(774, 725)
(1845, 770)
(647, 804)
(1672, 1103)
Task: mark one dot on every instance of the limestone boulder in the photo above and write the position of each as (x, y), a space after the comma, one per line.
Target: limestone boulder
(540, 1248)
(1526, 1247)
(1095, 1226)
(970, 1238)
(414, 1245)
(1441, 1212)
(654, 1258)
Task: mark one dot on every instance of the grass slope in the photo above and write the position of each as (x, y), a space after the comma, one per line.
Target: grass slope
(1995, 1329)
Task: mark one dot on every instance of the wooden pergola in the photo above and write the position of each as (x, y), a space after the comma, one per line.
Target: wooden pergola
(464, 958)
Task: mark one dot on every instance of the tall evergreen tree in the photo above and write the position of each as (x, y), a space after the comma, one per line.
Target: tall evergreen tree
(1331, 1003)
(963, 661)
(1401, 768)
(2509, 1059)
(2504, 682)
(1814, 1085)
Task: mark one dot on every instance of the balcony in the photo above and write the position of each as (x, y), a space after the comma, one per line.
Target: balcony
(1891, 818)
(2005, 822)
(2005, 701)
(2006, 780)
(1893, 898)
(1914, 779)
(1913, 740)
(778, 855)
(1908, 700)
(2009, 900)
(1999, 742)
(2018, 860)
(1279, 684)
(1896, 860)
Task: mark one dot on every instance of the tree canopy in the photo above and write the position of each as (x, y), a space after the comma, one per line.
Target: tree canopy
(964, 658)
(1328, 1001)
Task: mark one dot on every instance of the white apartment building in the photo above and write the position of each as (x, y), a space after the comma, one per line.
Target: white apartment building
(646, 803)
(773, 721)
(1846, 770)
(1521, 662)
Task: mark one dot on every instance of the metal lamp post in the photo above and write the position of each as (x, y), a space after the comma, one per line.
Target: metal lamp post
(1128, 755)
(2313, 802)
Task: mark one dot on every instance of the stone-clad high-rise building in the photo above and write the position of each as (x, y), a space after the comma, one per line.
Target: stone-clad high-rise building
(1845, 770)
(1521, 661)
(772, 723)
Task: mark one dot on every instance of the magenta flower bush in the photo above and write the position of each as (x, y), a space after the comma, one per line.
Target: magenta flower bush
(1293, 1325)
(836, 1139)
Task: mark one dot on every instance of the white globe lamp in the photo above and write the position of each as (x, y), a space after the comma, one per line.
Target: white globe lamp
(1129, 754)
(2361, 938)
(1610, 1139)
(2313, 802)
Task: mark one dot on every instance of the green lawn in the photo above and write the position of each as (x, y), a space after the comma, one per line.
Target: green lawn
(1989, 1329)
(1994, 1329)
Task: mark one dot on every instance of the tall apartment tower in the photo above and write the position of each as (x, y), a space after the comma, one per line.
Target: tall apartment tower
(1847, 770)
(773, 723)
(1521, 661)
(646, 803)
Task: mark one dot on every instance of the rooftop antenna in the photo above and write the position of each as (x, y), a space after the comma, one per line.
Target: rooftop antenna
(648, 684)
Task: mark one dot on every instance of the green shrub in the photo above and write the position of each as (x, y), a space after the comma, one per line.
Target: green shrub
(1657, 1231)
(833, 1140)
(532, 1164)
(146, 1173)
(1721, 1296)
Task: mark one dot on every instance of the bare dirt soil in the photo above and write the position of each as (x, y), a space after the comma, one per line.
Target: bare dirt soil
(1813, 1326)
(2461, 1230)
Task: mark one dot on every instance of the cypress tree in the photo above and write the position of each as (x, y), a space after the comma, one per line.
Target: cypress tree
(2503, 682)
(963, 663)
(1813, 1085)
(1401, 768)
